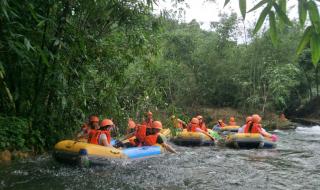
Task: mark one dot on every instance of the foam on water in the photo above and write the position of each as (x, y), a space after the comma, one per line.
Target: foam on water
(309, 130)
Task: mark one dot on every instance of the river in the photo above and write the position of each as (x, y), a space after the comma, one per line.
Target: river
(294, 164)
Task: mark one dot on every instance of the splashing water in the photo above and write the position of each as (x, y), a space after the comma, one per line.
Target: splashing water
(285, 167)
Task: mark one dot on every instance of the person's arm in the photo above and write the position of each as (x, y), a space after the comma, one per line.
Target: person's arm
(168, 148)
(264, 133)
(104, 140)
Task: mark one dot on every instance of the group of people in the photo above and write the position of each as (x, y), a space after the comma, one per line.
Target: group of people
(148, 132)
(145, 134)
(252, 125)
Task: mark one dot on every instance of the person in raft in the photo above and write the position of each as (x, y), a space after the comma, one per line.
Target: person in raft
(178, 123)
(193, 125)
(156, 138)
(148, 121)
(102, 136)
(248, 122)
(255, 127)
(93, 123)
(131, 126)
(219, 125)
(232, 121)
(202, 123)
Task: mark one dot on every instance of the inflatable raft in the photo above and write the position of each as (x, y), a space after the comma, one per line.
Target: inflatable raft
(186, 138)
(76, 152)
(248, 141)
(230, 128)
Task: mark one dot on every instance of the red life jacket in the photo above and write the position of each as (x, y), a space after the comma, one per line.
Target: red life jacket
(141, 133)
(193, 127)
(151, 140)
(107, 133)
(94, 136)
(252, 128)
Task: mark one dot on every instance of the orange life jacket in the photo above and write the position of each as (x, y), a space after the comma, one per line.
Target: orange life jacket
(252, 128)
(93, 136)
(141, 133)
(151, 140)
(193, 127)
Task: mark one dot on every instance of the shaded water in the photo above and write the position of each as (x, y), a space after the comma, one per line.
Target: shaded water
(294, 164)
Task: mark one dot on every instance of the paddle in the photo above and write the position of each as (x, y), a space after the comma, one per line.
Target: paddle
(207, 134)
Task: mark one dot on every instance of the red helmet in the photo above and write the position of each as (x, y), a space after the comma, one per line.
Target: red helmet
(157, 125)
(106, 122)
(256, 118)
(195, 121)
(94, 118)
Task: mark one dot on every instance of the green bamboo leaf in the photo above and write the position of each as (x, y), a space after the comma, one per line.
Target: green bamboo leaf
(314, 15)
(302, 12)
(273, 29)
(226, 2)
(305, 39)
(243, 8)
(258, 5)
(315, 48)
(282, 15)
(261, 19)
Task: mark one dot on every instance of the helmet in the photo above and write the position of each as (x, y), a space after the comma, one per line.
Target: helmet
(199, 117)
(131, 123)
(157, 125)
(173, 117)
(149, 113)
(220, 121)
(232, 119)
(256, 118)
(249, 118)
(94, 118)
(106, 122)
(194, 121)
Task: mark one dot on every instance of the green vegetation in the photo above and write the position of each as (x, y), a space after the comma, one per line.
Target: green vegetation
(62, 60)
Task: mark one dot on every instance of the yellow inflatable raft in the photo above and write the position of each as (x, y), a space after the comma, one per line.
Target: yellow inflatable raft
(186, 138)
(230, 128)
(248, 141)
(83, 153)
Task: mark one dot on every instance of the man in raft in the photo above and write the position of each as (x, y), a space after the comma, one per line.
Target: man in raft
(178, 123)
(93, 123)
(156, 138)
(256, 127)
(202, 123)
(102, 135)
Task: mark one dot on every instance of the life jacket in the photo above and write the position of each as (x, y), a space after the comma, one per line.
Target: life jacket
(151, 140)
(93, 136)
(141, 133)
(252, 128)
(193, 127)
(107, 133)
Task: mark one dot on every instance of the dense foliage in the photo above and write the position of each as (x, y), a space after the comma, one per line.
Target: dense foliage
(62, 60)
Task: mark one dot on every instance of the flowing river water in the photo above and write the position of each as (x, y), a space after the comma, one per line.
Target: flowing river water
(294, 164)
